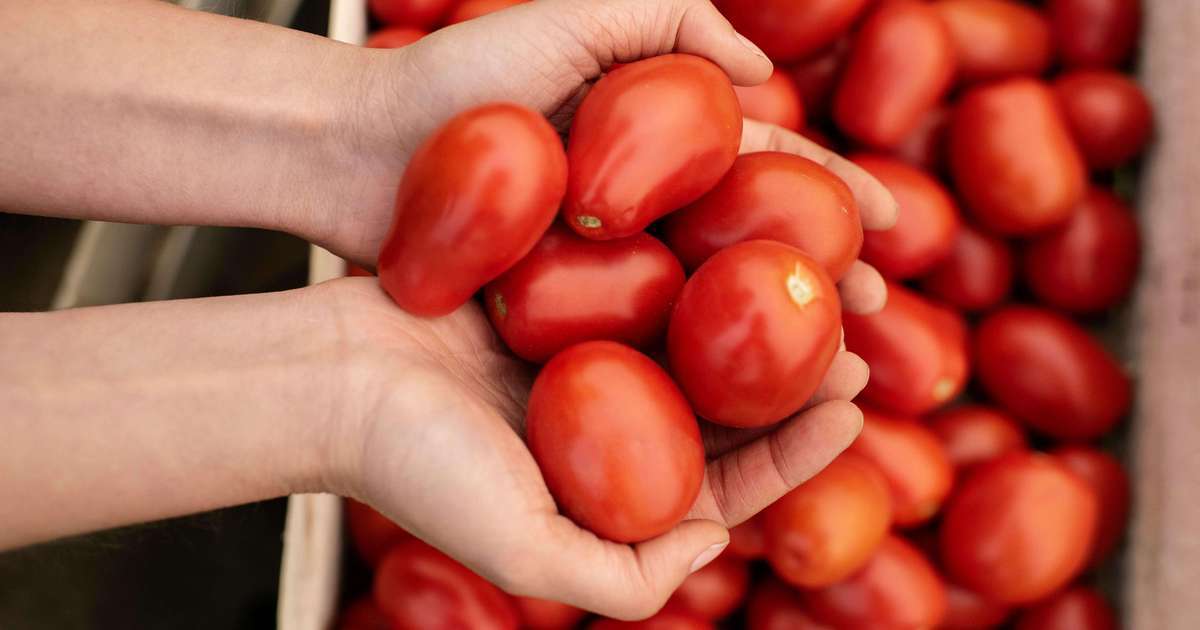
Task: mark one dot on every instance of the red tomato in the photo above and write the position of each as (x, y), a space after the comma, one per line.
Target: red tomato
(1019, 528)
(976, 276)
(394, 37)
(753, 333)
(900, 66)
(616, 441)
(1089, 264)
(1107, 478)
(1013, 158)
(817, 76)
(913, 462)
(650, 138)
(774, 606)
(545, 614)
(715, 591)
(974, 434)
(1078, 608)
(363, 614)
(665, 620)
(746, 541)
(1050, 373)
(925, 146)
(415, 13)
(917, 352)
(354, 270)
(471, 9)
(571, 289)
(790, 29)
(476, 197)
(997, 38)
(925, 229)
(966, 610)
(777, 101)
(420, 588)
(897, 589)
(371, 533)
(1094, 33)
(1108, 114)
(828, 527)
(757, 199)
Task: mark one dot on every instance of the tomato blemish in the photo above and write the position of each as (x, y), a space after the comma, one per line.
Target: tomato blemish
(501, 307)
(588, 221)
(799, 287)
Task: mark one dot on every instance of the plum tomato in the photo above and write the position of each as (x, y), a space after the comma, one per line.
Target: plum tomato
(616, 441)
(774, 606)
(664, 620)
(912, 460)
(974, 434)
(776, 196)
(475, 198)
(787, 30)
(925, 146)
(545, 614)
(1108, 479)
(753, 333)
(1095, 33)
(994, 39)
(977, 274)
(471, 9)
(371, 533)
(714, 591)
(1108, 115)
(363, 614)
(777, 101)
(1077, 608)
(966, 610)
(419, 588)
(415, 13)
(746, 540)
(817, 76)
(649, 138)
(394, 37)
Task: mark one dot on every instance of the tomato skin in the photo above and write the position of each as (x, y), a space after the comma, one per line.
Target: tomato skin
(994, 39)
(471, 9)
(912, 460)
(774, 606)
(475, 198)
(394, 37)
(616, 441)
(787, 30)
(715, 591)
(747, 541)
(1107, 477)
(420, 588)
(777, 101)
(977, 274)
(756, 199)
(363, 614)
(1108, 114)
(925, 229)
(1078, 608)
(1050, 373)
(665, 620)
(570, 289)
(1013, 158)
(974, 434)
(827, 528)
(900, 66)
(917, 352)
(1088, 264)
(817, 76)
(371, 533)
(753, 333)
(966, 610)
(925, 146)
(650, 138)
(1095, 33)
(545, 614)
(415, 13)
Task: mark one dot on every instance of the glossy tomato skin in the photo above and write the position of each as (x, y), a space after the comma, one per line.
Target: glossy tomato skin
(1050, 373)
(420, 588)
(777, 101)
(753, 333)
(925, 229)
(650, 138)
(363, 614)
(1095, 33)
(471, 9)
(994, 39)
(816, 77)
(1078, 608)
(912, 460)
(1013, 158)
(665, 620)
(966, 610)
(977, 274)
(545, 614)
(570, 289)
(774, 606)
(1107, 477)
(925, 146)
(827, 528)
(616, 441)
(900, 66)
(475, 198)
(416, 13)
(1018, 528)
(917, 352)
(746, 540)
(788, 30)
(394, 37)
(715, 591)
(1108, 114)
(974, 434)
(777, 196)
(371, 533)
(1088, 264)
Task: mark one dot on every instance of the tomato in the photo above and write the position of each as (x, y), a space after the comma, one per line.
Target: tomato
(913, 462)
(471, 9)
(917, 352)
(545, 614)
(616, 441)
(649, 138)
(415, 13)
(665, 620)
(371, 533)
(900, 66)
(571, 289)
(746, 540)
(974, 434)
(753, 333)
(363, 614)
(827, 528)
(1089, 264)
(353, 270)
(925, 229)
(394, 37)
(1095, 33)
(997, 38)
(715, 591)
(1013, 158)
(976, 276)
(1018, 528)
(791, 29)
(1078, 608)
(897, 588)
(925, 146)
(774, 606)
(757, 198)
(476, 197)
(777, 101)
(1108, 114)
(966, 610)
(1050, 373)
(817, 76)
(420, 588)
(1108, 479)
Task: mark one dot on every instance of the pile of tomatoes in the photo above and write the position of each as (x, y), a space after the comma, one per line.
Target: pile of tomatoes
(655, 276)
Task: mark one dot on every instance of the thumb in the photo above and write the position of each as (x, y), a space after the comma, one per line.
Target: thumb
(705, 32)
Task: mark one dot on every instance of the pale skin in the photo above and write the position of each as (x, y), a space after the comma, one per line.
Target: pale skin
(134, 110)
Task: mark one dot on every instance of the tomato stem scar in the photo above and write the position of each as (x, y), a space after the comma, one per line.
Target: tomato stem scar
(588, 221)
(799, 288)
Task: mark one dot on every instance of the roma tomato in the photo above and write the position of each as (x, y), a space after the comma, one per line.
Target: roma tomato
(419, 588)
(774, 606)
(1018, 528)
(791, 29)
(616, 441)
(1089, 264)
(570, 289)
(1107, 478)
(974, 434)
(363, 614)
(471, 9)
(994, 39)
(925, 146)
(746, 541)
(900, 66)
(545, 614)
(917, 352)
(371, 533)
(1078, 608)
(817, 76)
(1013, 158)
(897, 589)
(415, 13)
(977, 274)
(777, 101)
(650, 138)
(476, 197)
(1108, 114)
(777, 196)
(828, 527)
(714, 591)
(1095, 33)
(925, 229)
(966, 610)
(665, 620)
(753, 333)
(395, 37)
(1050, 373)
(913, 462)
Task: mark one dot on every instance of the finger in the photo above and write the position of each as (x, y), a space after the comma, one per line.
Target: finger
(704, 31)
(862, 289)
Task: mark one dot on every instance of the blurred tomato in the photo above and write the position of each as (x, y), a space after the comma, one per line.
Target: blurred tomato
(817, 76)
(471, 9)
(774, 606)
(1108, 114)
(363, 614)
(420, 588)
(977, 274)
(925, 146)
(665, 620)
(1078, 608)
(912, 460)
(973, 434)
(371, 533)
(966, 610)
(1108, 479)
(997, 38)
(1095, 33)
(394, 37)
(715, 591)
(746, 541)
(790, 29)
(354, 270)
(545, 614)
(415, 13)
(777, 101)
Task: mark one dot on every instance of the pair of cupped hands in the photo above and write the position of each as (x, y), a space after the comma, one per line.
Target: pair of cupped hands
(437, 433)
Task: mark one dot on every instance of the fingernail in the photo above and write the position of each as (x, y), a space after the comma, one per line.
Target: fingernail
(709, 555)
(750, 45)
